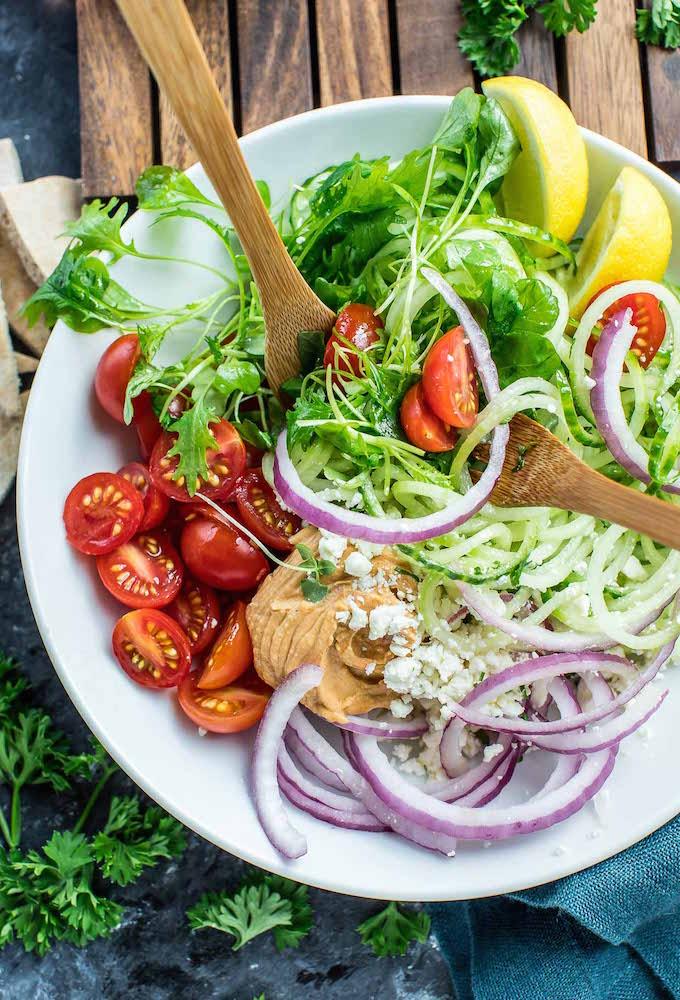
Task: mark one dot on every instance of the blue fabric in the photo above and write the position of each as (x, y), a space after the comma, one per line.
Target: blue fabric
(609, 933)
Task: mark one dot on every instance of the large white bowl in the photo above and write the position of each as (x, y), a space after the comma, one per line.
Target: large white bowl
(205, 782)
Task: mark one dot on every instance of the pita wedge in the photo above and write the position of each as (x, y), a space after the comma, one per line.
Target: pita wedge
(9, 379)
(17, 287)
(26, 363)
(33, 217)
(10, 435)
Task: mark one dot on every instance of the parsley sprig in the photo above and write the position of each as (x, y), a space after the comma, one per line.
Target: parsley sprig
(392, 930)
(659, 24)
(264, 902)
(57, 892)
(311, 586)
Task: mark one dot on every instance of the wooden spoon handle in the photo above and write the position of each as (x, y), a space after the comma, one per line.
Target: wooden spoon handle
(594, 494)
(168, 41)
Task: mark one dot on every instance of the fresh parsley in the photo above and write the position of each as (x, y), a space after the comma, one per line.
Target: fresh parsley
(488, 36)
(659, 24)
(52, 893)
(392, 930)
(262, 903)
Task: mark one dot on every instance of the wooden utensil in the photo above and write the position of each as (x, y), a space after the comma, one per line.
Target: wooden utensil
(169, 43)
(540, 471)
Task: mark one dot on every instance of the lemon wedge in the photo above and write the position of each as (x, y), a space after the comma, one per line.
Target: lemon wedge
(547, 185)
(630, 238)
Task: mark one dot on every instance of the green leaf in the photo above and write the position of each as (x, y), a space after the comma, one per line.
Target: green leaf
(265, 193)
(308, 407)
(288, 935)
(33, 752)
(194, 438)
(165, 187)
(251, 433)
(133, 839)
(98, 228)
(524, 355)
(313, 591)
(311, 347)
(151, 336)
(459, 127)
(498, 142)
(233, 375)
(659, 25)
(392, 930)
(249, 912)
(563, 16)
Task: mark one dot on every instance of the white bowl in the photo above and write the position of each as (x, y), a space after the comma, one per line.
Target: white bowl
(204, 782)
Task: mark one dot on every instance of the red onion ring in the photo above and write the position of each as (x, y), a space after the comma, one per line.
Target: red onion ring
(564, 696)
(268, 805)
(387, 531)
(310, 762)
(609, 356)
(494, 784)
(385, 729)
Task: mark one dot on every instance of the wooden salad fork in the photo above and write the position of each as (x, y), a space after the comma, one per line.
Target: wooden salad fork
(540, 471)
(168, 41)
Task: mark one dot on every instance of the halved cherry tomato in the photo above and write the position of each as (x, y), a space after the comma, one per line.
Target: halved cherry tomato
(197, 610)
(648, 317)
(228, 709)
(225, 464)
(232, 652)
(146, 423)
(450, 380)
(262, 513)
(100, 512)
(422, 427)
(145, 572)
(156, 504)
(151, 648)
(113, 374)
(221, 556)
(358, 324)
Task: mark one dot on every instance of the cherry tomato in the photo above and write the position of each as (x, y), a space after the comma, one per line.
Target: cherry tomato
(146, 423)
(422, 427)
(113, 374)
(450, 380)
(648, 317)
(197, 610)
(145, 572)
(221, 556)
(100, 512)
(225, 464)
(151, 648)
(228, 709)
(232, 652)
(156, 504)
(261, 512)
(358, 324)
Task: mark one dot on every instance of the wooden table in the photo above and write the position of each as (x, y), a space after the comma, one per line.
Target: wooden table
(275, 58)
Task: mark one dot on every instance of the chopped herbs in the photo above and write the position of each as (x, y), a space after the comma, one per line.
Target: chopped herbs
(522, 451)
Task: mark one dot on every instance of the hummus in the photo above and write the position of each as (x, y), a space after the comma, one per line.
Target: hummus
(287, 631)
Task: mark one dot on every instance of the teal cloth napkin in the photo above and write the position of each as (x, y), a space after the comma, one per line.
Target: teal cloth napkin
(609, 933)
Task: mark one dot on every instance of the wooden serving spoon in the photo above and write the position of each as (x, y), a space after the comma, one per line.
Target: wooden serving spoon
(168, 41)
(540, 471)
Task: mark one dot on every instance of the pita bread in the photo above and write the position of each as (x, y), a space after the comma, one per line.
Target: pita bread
(26, 363)
(9, 380)
(10, 167)
(16, 288)
(33, 217)
(10, 435)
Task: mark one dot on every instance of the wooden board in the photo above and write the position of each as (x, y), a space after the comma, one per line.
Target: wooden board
(538, 52)
(604, 78)
(354, 50)
(275, 67)
(663, 80)
(430, 61)
(211, 18)
(115, 102)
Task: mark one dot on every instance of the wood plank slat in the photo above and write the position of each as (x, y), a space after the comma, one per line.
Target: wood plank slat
(663, 82)
(604, 77)
(430, 61)
(538, 52)
(275, 67)
(347, 31)
(211, 19)
(116, 121)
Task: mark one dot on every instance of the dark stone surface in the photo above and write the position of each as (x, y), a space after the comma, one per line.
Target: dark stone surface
(153, 955)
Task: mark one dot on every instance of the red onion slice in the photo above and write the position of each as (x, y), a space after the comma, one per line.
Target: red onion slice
(601, 737)
(468, 823)
(310, 762)
(452, 789)
(342, 802)
(494, 784)
(609, 357)
(564, 696)
(389, 728)
(270, 810)
(390, 530)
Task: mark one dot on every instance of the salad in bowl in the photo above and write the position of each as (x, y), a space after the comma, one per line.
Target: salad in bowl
(328, 564)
